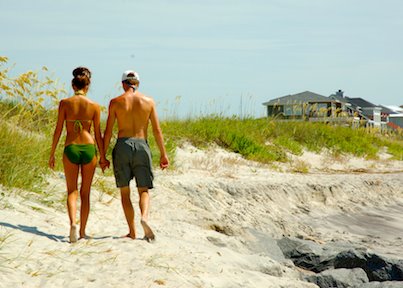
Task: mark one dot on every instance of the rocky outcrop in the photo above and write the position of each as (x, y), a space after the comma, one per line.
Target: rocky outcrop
(342, 265)
(386, 284)
(343, 278)
(378, 268)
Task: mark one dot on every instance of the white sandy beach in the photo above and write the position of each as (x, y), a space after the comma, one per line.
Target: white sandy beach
(211, 216)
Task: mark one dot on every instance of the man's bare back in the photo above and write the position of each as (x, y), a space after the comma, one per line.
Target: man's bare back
(132, 111)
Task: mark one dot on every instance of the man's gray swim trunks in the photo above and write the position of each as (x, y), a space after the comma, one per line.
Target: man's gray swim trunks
(132, 158)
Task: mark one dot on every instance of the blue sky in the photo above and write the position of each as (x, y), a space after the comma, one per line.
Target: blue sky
(201, 57)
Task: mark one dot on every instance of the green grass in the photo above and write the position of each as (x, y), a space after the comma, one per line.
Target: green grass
(27, 125)
(19, 156)
(395, 148)
(267, 140)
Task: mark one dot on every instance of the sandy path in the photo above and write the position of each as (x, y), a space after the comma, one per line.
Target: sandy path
(201, 214)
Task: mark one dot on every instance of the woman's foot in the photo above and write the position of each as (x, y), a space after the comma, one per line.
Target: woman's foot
(85, 237)
(132, 236)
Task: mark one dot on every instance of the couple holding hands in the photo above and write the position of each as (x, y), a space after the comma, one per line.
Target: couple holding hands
(131, 155)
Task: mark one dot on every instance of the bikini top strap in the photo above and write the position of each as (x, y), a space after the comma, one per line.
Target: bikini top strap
(78, 125)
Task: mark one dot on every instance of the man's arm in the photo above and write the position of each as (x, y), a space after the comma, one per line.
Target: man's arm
(109, 125)
(164, 162)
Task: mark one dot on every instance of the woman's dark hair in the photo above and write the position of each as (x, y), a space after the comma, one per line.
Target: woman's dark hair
(82, 77)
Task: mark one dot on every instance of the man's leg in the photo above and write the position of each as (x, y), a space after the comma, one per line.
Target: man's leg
(128, 209)
(144, 203)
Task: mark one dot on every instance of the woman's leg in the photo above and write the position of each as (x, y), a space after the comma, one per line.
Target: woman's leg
(71, 174)
(87, 174)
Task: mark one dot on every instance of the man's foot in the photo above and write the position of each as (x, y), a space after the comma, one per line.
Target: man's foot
(148, 233)
(73, 234)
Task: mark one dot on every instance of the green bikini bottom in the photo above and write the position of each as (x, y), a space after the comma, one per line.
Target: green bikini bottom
(80, 153)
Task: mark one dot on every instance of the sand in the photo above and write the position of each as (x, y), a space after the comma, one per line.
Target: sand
(213, 216)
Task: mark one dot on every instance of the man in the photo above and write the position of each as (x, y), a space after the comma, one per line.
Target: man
(131, 155)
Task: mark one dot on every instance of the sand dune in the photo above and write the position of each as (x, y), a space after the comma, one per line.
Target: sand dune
(214, 216)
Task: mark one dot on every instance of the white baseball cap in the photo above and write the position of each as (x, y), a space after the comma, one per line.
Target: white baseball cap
(130, 75)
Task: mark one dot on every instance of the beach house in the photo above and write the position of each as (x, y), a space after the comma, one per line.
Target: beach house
(303, 106)
(337, 107)
(374, 115)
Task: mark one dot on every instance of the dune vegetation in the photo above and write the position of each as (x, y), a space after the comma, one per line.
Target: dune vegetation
(28, 109)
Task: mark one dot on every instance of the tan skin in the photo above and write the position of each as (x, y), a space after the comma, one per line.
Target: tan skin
(78, 107)
(134, 111)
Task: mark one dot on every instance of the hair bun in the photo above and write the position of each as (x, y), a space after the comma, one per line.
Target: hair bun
(82, 72)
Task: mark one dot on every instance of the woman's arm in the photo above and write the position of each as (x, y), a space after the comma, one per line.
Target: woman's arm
(98, 136)
(56, 135)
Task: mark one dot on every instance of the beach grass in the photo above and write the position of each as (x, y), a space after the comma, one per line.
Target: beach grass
(266, 139)
(28, 111)
(3, 238)
(25, 126)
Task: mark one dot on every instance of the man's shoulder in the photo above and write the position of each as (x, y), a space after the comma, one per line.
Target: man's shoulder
(146, 97)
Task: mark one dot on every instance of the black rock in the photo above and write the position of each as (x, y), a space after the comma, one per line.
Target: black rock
(308, 254)
(378, 268)
(386, 284)
(339, 278)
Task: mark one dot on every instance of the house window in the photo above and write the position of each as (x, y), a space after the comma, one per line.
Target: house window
(275, 110)
(293, 110)
(288, 110)
(318, 110)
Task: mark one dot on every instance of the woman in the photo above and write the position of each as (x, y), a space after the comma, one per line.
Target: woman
(79, 113)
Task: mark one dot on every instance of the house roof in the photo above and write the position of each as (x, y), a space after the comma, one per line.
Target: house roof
(387, 110)
(394, 108)
(360, 102)
(339, 98)
(300, 98)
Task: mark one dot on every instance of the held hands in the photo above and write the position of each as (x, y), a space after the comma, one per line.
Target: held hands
(104, 163)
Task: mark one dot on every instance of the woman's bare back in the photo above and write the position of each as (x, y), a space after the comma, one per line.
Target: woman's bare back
(79, 114)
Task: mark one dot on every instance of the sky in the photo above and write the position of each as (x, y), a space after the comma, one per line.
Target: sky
(224, 57)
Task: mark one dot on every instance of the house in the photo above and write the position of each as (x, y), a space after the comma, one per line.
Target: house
(335, 108)
(304, 105)
(395, 121)
(365, 110)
